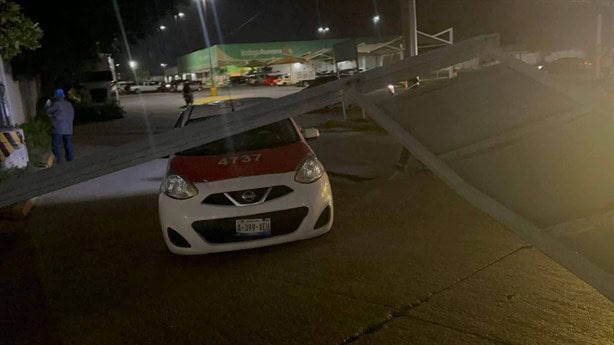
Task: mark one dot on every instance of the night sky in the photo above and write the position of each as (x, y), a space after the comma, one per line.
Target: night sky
(533, 24)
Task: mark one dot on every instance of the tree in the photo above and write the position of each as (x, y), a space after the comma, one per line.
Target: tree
(17, 32)
(76, 31)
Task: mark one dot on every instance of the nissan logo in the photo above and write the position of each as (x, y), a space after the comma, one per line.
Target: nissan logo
(248, 196)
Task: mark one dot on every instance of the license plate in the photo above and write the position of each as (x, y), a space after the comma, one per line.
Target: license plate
(253, 226)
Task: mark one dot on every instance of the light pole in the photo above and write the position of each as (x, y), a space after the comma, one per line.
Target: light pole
(133, 66)
(323, 30)
(203, 17)
(410, 28)
(163, 65)
(179, 15)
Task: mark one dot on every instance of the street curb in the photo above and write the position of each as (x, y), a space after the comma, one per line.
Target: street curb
(18, 211)
(21, 211)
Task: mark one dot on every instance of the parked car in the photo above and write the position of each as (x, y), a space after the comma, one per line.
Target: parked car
(257, 188)
(255, 79)
(238, 80)
(177, 85)
(271, 80)
(196, 85)
(283, 80)
(146, 86)
(124, 86)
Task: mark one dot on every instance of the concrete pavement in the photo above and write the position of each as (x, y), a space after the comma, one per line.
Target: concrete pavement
(407, 262)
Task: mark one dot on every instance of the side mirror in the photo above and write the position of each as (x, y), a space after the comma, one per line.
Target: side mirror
(310, 133)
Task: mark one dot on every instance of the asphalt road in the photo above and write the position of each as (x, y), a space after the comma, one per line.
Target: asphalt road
(407, 262)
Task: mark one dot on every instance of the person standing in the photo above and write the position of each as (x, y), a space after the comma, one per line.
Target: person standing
(188, 96)
(62, 116)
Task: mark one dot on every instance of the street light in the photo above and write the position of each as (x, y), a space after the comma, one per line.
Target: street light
(202, 16)
(163, 65)
(376, 19)
(181, 14)
(133, 65)
(323, 30)
(162, 27)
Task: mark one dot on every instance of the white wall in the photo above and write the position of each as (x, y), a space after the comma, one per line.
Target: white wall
(322, 66)
(12, 95)
(367, 62)
(21, 96)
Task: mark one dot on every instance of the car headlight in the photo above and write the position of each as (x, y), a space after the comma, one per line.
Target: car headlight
(309, 170)
(178, 187)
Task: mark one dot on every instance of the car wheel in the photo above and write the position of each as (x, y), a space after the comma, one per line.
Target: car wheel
(137, 91)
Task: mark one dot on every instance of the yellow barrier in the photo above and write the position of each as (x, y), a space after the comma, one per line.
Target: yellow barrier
(9, 142)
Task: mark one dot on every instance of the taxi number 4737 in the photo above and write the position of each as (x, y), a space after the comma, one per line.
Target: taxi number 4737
(239, 159)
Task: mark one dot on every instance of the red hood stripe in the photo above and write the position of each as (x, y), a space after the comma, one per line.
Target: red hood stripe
(277, 160)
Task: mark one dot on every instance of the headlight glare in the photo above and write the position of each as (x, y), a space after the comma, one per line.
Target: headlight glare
(309, 170)
(178, 187)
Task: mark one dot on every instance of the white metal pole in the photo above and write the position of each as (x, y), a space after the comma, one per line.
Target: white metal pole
(598, 50)
(451, 69)
(409, 27)
(413, 29)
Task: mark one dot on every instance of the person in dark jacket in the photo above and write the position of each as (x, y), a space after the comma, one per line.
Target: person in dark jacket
(62, 115)
(188, 96)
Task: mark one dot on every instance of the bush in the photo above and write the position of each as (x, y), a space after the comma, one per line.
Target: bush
(37, 133)
(5, 174)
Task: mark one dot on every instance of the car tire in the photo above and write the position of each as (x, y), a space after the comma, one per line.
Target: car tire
(137, 91)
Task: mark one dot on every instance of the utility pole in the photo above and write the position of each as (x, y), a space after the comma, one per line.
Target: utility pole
(409, 47)
(599, 46)
(409, 27)
(203, 19)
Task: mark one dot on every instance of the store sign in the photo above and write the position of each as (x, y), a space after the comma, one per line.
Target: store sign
(259, 52)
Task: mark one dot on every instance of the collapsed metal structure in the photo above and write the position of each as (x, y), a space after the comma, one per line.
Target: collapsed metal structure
(467, 144)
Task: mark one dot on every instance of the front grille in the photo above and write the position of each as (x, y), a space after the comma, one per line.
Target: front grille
(224, 230)
(254, 196)
(260, 195)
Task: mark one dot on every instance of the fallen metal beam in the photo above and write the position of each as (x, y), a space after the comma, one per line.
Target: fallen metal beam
(125, 156)
(566, 257)
(425, 63)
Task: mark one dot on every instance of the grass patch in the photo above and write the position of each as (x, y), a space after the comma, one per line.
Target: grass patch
(6, 174)
(38, 139)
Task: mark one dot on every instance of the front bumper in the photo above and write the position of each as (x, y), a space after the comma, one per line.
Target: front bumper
(207, 228)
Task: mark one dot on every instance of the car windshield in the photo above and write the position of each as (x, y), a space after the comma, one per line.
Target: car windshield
(269, 136)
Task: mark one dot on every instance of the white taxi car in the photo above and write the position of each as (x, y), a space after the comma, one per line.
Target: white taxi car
(257, 188)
